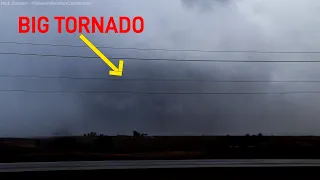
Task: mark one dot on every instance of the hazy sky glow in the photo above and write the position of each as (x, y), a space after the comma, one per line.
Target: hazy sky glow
(263, 25)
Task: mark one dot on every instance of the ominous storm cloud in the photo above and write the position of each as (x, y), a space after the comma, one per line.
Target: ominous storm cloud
(273, 25)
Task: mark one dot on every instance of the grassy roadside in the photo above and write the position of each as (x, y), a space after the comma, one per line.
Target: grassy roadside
(159, 147)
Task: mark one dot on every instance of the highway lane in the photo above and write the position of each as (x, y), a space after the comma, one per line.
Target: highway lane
(155, 164)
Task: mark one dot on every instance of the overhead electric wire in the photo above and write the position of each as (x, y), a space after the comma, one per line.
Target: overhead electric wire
(158, 80)
(158, 93)
(160, 59)
(164, 49)
(161, 80)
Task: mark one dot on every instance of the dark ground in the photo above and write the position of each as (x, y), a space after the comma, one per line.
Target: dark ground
(159, 147)
(171, 174)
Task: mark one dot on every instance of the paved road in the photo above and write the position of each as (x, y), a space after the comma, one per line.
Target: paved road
(145, 164)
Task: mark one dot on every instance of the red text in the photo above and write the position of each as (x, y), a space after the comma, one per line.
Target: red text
(82, 24)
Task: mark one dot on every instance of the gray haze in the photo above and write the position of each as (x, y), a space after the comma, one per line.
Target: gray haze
(265, 25)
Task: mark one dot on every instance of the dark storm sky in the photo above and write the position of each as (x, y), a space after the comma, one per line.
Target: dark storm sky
(264, 25)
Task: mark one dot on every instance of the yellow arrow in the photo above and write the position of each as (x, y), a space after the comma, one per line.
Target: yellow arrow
(115, 71)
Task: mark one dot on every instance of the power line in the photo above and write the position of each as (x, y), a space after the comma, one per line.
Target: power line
(164, 49)
(158, 93)
(160, 59)
(160, 80)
